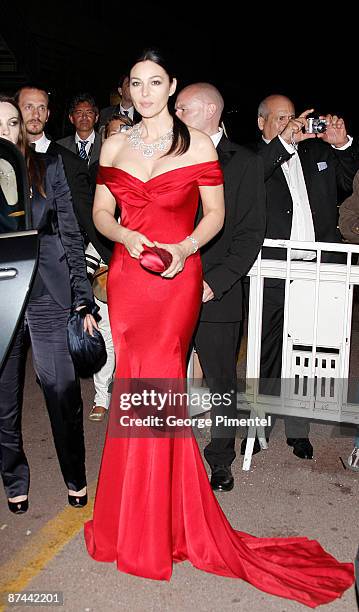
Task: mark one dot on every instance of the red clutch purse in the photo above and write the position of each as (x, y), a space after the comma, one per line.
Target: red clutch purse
(155, 259)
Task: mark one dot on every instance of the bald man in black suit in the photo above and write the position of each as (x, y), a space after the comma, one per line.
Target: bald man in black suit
(226, 260)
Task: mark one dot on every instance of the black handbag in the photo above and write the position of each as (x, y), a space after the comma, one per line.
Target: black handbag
(88, 352)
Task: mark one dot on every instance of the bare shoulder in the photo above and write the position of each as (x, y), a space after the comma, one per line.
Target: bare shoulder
(202, 147)
(111, 148)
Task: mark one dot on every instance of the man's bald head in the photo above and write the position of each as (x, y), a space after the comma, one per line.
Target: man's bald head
(274, 113)
(200, 106)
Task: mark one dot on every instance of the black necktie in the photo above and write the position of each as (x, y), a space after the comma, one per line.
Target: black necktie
(32, 145)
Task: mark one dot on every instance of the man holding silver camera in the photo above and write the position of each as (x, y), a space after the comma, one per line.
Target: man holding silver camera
(306, 162)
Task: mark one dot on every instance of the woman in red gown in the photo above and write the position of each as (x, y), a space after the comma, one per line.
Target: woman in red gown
(154, 504)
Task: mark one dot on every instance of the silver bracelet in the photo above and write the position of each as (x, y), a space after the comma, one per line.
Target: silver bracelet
(194, 242)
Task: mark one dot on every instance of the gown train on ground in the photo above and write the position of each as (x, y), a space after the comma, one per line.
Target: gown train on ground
(154, 504)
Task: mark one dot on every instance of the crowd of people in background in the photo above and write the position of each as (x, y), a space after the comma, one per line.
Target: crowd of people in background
(287, 185)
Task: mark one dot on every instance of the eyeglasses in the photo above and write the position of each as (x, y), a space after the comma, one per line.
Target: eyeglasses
(80, 113)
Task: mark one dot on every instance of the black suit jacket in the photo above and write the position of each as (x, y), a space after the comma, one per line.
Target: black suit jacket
(326, 171)
(69, 143)
(82, 192)
(228, 257)
(78, 178)
(61, 262)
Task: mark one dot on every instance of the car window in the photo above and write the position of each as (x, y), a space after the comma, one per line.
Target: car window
(18, 243)
(14, 200)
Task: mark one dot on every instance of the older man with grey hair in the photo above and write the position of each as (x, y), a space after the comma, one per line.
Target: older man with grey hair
(304, 172)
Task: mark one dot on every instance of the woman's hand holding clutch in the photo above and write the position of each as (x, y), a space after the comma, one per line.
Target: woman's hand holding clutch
(85, 342)
(89, 322)
(180, 252)
(134, 242)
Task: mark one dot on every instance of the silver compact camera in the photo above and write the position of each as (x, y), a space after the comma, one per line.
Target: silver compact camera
(316, 126)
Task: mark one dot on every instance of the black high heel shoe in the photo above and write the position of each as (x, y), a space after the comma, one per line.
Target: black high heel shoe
(18, 507)
(77, 501)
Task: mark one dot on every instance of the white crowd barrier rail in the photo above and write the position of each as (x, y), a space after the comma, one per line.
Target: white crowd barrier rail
(318, 303)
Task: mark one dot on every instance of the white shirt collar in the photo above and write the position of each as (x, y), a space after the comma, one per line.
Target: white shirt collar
(217, 137)
(42, 144)
(287, 146)
(127, 111)
(90, 139)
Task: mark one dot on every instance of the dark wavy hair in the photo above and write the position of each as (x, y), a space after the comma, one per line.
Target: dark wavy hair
(83, 97)
(35, 166)
(181, 135)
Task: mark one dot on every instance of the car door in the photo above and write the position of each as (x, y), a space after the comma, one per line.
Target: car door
(18, 242)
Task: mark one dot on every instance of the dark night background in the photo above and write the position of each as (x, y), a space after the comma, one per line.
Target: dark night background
(85, 45)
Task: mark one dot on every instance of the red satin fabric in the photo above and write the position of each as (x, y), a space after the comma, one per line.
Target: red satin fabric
(154, 504)
(155, 259)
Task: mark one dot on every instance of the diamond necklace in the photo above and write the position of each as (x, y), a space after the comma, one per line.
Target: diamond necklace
(136, 142)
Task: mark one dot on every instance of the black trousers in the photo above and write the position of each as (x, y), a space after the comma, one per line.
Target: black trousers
(217, 348)
(46, 322)
(271, 355)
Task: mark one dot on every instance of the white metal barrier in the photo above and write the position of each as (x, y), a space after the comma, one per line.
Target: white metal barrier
(318, 301)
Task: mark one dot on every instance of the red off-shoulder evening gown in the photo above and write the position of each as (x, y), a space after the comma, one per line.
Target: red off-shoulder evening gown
(154, 504)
